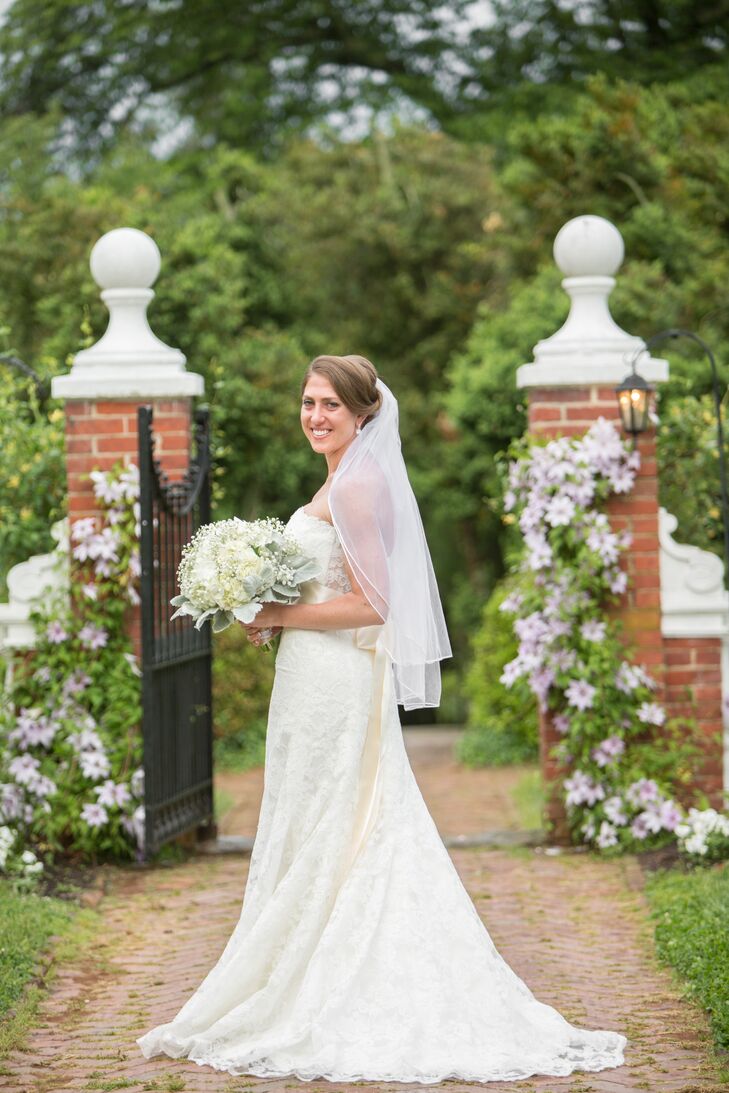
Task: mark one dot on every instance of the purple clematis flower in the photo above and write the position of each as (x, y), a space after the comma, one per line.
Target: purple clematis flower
(650, 713)
(93, 637)
(581, 694)
(55, 632)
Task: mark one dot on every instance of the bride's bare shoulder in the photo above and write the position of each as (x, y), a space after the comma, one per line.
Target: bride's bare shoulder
(365, 484)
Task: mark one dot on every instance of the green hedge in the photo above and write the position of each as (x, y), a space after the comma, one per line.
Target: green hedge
(33, 482)
(691, 912)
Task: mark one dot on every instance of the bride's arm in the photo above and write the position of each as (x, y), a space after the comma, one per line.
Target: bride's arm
(346, 612)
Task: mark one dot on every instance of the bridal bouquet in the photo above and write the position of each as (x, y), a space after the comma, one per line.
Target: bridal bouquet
(230, 568)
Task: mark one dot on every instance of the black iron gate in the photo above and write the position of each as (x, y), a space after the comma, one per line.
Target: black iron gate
(176, 658)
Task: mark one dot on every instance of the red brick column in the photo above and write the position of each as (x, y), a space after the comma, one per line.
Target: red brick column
(570, 411)
(553, 774)
(687, 670)
(101, 433)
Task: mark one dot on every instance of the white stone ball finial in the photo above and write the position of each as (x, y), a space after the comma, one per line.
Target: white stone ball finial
(589, 246)
(589, 348)
(125, 258)
(129, 361)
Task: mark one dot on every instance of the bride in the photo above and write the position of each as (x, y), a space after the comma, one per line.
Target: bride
(358, 954)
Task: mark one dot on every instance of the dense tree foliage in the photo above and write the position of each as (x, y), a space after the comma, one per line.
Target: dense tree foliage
(254, 73)
(379, 247)
(249, 73)
(552, 43)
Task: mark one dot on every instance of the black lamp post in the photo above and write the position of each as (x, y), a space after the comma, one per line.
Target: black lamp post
(633, 394)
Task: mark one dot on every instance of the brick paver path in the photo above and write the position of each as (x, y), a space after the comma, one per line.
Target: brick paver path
(575, 928)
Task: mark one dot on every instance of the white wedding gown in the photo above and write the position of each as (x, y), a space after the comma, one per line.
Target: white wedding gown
(358, 954)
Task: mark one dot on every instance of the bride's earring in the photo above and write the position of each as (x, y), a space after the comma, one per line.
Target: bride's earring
(358, 429)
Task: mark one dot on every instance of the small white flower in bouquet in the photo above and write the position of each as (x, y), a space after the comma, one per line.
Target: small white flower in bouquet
(230, 568)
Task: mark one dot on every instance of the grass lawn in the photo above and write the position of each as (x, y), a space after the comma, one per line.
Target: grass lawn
(28, 922)
(691, 913)
(528, 796)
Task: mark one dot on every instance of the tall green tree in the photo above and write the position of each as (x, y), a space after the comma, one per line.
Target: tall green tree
(247, 73)
(377, 247)
(250, 74)
(557, 42)
(531, 56)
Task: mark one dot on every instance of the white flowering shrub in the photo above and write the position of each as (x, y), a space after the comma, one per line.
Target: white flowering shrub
(620, 791)
(231, 567)
(71, 779)
(703, 835)
(20, 867)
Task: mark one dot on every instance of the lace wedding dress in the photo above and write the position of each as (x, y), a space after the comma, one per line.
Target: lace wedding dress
(358, 954)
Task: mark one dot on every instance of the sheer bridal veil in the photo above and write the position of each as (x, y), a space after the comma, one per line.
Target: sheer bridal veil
(378, 522)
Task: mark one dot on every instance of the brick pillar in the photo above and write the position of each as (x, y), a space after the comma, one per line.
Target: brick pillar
(127, 368)
(570, 411)
(675, 614)
(570, 385)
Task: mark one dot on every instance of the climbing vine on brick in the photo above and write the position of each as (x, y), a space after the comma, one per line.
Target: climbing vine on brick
(620, 790)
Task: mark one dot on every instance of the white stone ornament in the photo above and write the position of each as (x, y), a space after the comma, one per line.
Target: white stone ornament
(694, 601)
(590, 348)
(129, 361)
(29, 583)
(25, 582)
(125, 258)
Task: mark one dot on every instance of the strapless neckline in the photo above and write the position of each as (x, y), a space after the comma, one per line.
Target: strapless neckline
(319, 519)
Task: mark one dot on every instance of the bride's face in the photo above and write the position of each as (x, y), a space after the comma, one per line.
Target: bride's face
(327, 422)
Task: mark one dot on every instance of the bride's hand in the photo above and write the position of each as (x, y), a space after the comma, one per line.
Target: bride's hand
(265, 625)
(259, 636)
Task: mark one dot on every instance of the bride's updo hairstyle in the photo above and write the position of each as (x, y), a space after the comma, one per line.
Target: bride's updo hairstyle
(353, 378)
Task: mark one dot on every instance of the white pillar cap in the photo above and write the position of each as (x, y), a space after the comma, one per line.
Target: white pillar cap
(129, 361)
(590, 348)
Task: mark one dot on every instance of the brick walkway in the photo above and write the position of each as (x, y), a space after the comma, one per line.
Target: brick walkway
(573, 927)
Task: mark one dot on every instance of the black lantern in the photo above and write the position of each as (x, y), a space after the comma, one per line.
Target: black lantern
(634, 404)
